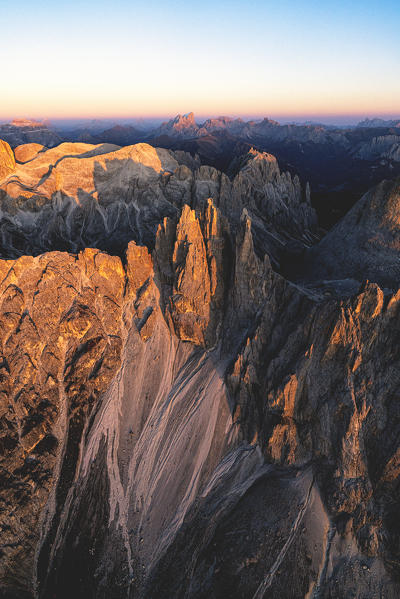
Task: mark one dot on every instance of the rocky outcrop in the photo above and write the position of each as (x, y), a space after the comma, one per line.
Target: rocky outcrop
(186, 421)
(28, 152)
(66, 324)
(375, 123)
(182, 126)
(24, 131)
(193, 266)
(185, 127)
(7, 160)
(78, 195)
(60, 344)
(334, 424)
(386, 147)
(363, 245)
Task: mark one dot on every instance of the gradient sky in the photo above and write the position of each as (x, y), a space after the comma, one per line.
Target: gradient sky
(127, 58)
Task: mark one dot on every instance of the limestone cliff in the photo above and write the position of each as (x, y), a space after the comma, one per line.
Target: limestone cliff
(79, 195)
(7, 160)
(182, 126)
(183, 421)
(364, 244)
(25, 131)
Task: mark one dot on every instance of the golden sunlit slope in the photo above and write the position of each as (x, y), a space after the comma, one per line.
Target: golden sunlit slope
(70, 167)
(7, 160)
(27, 152)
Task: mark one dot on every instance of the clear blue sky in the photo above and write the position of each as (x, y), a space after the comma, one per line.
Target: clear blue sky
(124, 58)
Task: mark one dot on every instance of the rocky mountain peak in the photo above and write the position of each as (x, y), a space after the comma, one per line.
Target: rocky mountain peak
(182, 126)
(269, 122)
(7, 160)
(30, 123)
(23, 131)
(364, 244)
(185, 419)
(186, 119)
(379, 123)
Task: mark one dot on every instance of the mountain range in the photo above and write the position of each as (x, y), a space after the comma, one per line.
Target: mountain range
(198, 382)
(340, 164)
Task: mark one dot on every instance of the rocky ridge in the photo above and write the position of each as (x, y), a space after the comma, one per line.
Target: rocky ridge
(186, 421)
(24, 131)
(79, 195)
(373, 123)
(340, 163)
(183, 126)
(363, 245)
(186, 127)
(7, 159)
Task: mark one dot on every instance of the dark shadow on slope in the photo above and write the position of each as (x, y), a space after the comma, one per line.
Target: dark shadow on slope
(365, 244)
(121, 207)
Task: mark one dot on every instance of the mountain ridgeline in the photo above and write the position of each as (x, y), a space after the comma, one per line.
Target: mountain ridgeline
(339, 163)
(199, 389)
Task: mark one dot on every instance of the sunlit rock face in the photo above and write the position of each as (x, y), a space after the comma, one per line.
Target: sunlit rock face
(181, 420)
(78, 195)
(182, 126)
(27, 152)
(7, 160)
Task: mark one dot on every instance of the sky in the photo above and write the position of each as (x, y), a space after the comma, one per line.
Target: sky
(282, 59)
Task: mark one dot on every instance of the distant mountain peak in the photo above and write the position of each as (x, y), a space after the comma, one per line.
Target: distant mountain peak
(183, 126)
(26, 123)
(377, 122)
(267, 121)
(186, 120)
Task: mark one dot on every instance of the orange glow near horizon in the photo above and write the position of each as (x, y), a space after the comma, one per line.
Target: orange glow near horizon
(229, 98)
(303, 59)
(201, 112)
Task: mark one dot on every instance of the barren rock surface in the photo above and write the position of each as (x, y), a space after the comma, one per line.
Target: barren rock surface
(22, 131)
(181, 420)
(78, 195)
(7, 160)
(364, 244)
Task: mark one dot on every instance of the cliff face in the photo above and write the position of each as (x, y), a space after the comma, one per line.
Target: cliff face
(79, 195)
(364, 245)
(383, 147)
(23, 131)
(7, 160)
(185, 421)
(182, 126)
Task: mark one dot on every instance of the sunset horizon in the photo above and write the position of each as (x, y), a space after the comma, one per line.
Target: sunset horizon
(200, 299)
(293, 59)
(340, 119)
